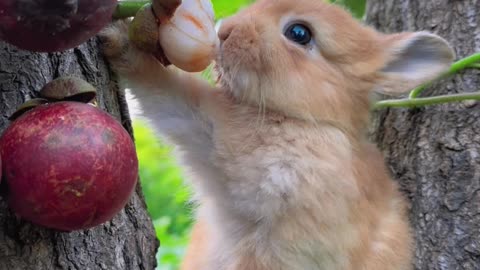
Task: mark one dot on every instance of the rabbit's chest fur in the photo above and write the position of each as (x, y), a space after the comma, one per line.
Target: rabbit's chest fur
(287, 193)
(275, 166)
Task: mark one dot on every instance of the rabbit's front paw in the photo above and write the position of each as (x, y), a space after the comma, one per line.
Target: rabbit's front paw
(124, 57)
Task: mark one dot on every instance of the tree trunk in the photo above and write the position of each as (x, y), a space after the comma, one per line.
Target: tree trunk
(435, 151)
(128, 241)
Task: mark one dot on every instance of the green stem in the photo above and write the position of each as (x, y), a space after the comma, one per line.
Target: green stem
(419, 102)
(126, 9)
(460, 65)
(474, 66)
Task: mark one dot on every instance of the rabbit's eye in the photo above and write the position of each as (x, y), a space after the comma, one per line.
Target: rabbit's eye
(298, 33)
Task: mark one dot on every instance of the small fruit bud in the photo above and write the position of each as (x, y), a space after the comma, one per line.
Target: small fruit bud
(143, 31)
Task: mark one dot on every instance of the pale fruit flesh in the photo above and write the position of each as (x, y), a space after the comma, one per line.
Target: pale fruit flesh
(189, 38)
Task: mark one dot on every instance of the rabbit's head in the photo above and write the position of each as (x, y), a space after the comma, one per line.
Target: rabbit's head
(312, 60)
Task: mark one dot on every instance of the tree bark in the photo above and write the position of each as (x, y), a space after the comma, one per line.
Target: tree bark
(128, 241)
(435, 151)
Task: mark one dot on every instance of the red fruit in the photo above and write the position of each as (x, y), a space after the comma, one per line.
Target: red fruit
(52, 25)
(68, 166)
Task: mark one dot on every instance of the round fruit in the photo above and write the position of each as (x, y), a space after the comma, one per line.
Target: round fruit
(52, 25)
(68, 166)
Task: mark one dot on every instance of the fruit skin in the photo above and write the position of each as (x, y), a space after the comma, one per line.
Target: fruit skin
(68, 166)
(52, 25)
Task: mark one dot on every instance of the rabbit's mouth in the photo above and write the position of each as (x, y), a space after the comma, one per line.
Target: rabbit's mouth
(226, 75)
(238, 61)
(241, 82)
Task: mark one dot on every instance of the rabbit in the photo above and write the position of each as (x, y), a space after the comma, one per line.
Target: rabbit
(276, 151)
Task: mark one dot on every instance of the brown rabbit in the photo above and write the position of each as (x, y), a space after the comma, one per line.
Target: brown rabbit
(283, 174)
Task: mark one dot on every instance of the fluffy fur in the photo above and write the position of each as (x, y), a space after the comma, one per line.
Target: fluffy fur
(283, 174)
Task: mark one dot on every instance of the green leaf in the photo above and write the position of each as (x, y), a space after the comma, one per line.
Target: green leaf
(225, 8)
(356, 7)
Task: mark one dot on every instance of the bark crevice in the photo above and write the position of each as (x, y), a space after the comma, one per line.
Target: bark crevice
(128, 242)
(434, 152)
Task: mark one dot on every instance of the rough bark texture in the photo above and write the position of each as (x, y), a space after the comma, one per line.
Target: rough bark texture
(435, 152)
(128, 241)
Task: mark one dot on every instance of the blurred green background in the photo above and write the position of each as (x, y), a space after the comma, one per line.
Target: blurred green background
(165, 194)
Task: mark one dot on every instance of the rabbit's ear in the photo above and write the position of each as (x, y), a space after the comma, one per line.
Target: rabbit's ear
(412, 59)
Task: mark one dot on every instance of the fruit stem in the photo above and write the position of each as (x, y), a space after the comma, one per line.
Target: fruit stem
(464, 63)
(419, 102)
(128, 8)
(471, 61)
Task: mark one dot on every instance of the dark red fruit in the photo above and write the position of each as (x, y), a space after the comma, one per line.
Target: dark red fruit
(52, 25)
(68, 166)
